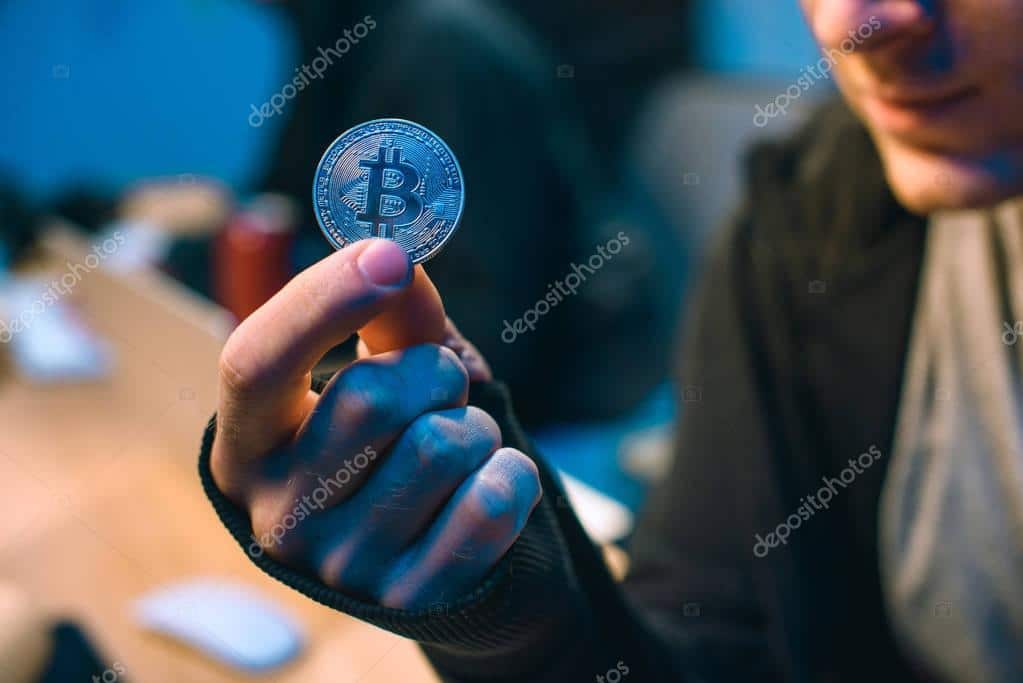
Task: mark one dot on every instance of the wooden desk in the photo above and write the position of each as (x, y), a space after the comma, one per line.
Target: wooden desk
(102, 502)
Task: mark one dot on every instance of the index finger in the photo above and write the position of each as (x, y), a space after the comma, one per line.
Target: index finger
(266, 364)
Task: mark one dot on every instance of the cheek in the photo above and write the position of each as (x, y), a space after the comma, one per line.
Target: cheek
(989, 34)
(993, 52)
(851, 77)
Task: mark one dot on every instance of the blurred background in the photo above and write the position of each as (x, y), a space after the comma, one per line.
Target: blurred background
(155, 183)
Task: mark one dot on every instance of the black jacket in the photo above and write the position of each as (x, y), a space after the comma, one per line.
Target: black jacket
(792, 365)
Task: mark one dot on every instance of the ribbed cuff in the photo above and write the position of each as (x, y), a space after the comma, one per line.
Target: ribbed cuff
(530, 596)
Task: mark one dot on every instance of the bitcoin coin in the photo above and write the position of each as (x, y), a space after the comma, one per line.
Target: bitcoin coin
(389, 178)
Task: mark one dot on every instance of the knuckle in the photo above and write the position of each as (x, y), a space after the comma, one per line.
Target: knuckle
(480, 426)
(455, 440)
(342, 564)
(493, 505)
(451, 376)
(436, 441)
(371, 391)
(279, 534)
(236, 371)
(399, 589)
(520, 467)
(332, 564)
(522, 474)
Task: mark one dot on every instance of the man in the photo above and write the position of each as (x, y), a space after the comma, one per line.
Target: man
(847, 498)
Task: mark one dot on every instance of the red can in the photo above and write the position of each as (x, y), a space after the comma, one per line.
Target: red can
(252, 256)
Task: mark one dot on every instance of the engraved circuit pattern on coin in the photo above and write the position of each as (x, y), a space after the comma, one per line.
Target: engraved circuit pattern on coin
(389, 178)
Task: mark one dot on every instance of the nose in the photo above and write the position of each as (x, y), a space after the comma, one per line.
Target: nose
(876, 23)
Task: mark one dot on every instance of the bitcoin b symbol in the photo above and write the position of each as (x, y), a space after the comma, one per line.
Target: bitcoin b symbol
(391, 197)
(391, 179)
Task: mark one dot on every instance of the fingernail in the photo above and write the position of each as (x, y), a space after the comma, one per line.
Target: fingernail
(385, 264)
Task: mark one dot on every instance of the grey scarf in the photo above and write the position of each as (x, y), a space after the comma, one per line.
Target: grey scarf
(952, 507)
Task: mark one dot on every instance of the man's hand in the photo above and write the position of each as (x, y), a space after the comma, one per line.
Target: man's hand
(387, 486)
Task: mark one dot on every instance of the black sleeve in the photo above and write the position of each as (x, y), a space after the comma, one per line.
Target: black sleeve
(528, 621)
(550, 611)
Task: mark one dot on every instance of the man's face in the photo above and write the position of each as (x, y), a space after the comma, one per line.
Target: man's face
(939, 84)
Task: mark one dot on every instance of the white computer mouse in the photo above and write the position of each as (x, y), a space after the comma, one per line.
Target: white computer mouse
(226, 621)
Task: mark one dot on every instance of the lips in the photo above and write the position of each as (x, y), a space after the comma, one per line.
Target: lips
(915, 110)
(915, 97)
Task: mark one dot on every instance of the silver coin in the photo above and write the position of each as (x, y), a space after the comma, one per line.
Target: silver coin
(389, 178)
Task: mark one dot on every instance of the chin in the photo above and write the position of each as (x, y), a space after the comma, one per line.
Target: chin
(925, 181)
